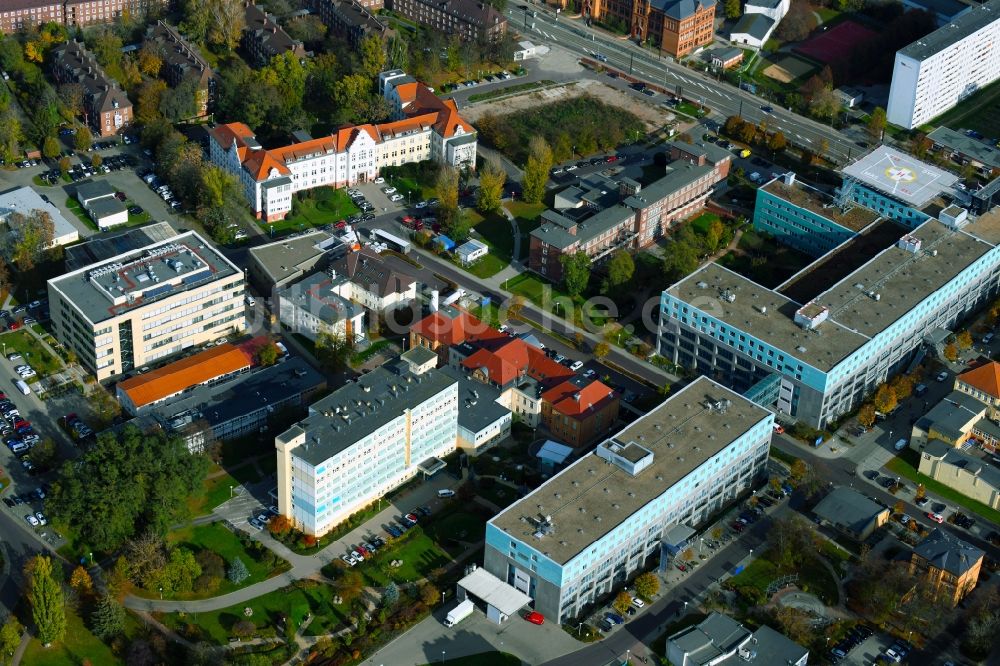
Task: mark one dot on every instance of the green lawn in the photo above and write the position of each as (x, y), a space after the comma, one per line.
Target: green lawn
(375, 347)
(703, 221)
(980, 112)
(79, 646)
(901, 466)
(419, 554)
(533, 287)
(496, 232)
(526, 215)
(827, 14)
(214, 492)
(75, 208)
(23, 342)
(294, 602)
(813, 578)
(323, 205)
(216, 537)
(689, 109)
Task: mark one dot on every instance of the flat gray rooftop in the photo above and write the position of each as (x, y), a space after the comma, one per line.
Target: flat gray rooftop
(978, 150)
(282, 259)
(900, 278)
(356, 410)
(777, 327)
(854, 217)
(135, 279)
(956, 30)
(901, 176)
(477, 402)
(107, 245)
(591, 497)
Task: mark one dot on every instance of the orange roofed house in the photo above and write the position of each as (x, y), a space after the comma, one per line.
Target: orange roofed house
(140, 393)
(532, 385)
(983, 384)
(424, 127)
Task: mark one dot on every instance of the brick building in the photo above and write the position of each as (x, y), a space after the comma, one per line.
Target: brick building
(182, 60)
(677, 26)
(18, 14)
(107, 110)
(948, 564)
(351, 20)
(600, 216)
(472, 20)
(264, 39)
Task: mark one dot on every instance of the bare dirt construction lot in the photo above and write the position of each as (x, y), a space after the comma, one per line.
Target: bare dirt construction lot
(788, 68)
(653, 116)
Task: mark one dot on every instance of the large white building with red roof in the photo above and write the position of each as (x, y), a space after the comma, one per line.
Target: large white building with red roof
(423, 127)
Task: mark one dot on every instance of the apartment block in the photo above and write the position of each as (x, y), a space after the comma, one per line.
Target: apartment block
(425, 127)
(144, 305)
(936, 72)
(182, 61)
(20, 14)
(351, 20)
(80, 13)
(676, 26)
(471, 20)
(947, 564)
(600, 215)
(583, 533)
(264, 39)
(971, 475)
(362, 441)
(106, 107)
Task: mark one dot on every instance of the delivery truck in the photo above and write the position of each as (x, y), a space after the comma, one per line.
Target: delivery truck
(459, 613)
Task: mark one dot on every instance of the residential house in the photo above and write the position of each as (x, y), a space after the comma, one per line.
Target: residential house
(948, 564)
(367, 279)
(98, 199)
(753, 30)
(106, 108)
(470, 20)
(182, 61)
(578, 410)
(264, 39)
(25, 201)
(449, 326)
(958, 420)
(725, 58)
(983, 384)
(315, 305)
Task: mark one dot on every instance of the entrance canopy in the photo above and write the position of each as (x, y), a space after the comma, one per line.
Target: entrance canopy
(494, 592)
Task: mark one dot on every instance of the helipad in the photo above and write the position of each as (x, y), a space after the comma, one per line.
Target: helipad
(901, 176)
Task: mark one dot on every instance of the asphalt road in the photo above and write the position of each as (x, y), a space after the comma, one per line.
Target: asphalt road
(649, 625)
(723, 98)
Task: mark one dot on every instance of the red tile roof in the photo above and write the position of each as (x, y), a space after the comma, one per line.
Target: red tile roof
(454, 328)
(986, 378)
(184, 374)
(515, 358)
(572, 400)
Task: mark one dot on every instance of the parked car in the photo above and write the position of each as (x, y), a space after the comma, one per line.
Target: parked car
(614, 618)
(534, 617)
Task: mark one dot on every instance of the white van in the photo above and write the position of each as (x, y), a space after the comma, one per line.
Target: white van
(22, 386)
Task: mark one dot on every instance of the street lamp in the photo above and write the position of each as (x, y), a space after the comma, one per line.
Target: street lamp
(91, 559)
(161, 593)
(442, 656)
(231, 491)
(701, 542)
(628, 657)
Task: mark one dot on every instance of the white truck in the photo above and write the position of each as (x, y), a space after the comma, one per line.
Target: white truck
(459, 613)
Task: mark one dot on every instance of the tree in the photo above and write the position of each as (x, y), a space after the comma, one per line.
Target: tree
(105, 405)
(898, 507)
(371, 51)
(149, 60)
(64, 164)
(244, 628)
(429, 594)
(349, 585)
(279, 525)
(777, 143)
(48, 610)
(108, 619)
(491, 181)
(51, 148)
(390, 595)
(733, 9)
(238, 571)
(963, 339)
(515, 305)
(95, 160)
(10, 638)
(180, 572)
(796, 624)
(536, 170)
(799, 470)
(332, 350)
(951, 352)
(876, 124)
(825, 104)
(81, 581)
(307, 29)
(227, 18)
(446, 186)
(713, 235)
(622, 602)
(902, 386)
(866, 415)
(620, 268)
(83, 139)
(921, 491)
(601, 349)
(268, 354)
(792, 542)
(162, 473)
(885, 399)
(796, 24)
(71, 95)
(29, 236)
(180, 102)
(576, 272)
(647, 585)
(43, 454)
(579, 340)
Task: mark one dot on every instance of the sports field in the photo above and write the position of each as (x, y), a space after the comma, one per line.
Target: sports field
(835, 45)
